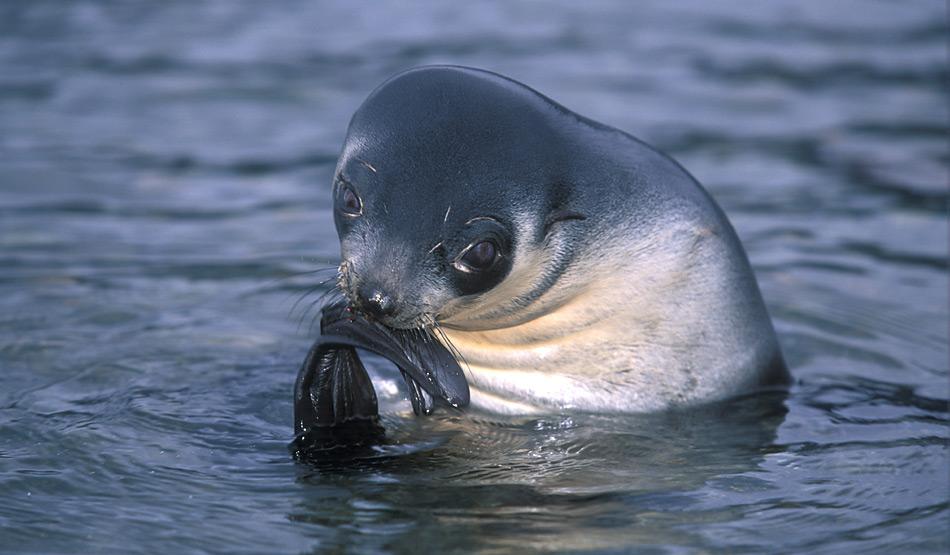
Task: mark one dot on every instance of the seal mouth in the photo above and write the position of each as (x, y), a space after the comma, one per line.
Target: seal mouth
(419, 323)
(333, 391)
(401, 316)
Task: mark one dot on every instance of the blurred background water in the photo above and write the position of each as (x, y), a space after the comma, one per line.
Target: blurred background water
(164, 178)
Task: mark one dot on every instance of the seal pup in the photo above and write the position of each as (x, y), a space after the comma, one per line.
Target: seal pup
(568, 265)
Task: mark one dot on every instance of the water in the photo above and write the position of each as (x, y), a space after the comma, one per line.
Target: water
(164, 177)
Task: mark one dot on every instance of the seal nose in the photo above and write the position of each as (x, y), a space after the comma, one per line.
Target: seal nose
(377, 303)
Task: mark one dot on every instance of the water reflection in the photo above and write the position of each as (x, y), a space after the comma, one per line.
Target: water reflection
(163, 165)
(565, 482)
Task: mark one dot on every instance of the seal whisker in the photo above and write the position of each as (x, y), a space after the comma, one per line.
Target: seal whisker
(304, 273)
(420, 333)
(306, 311)
(450, 346)
(331, 296)
(367, 165)
(308, 292)
(292, 275)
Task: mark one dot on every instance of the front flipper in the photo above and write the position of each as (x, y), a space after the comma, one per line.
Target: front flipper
(334, 399)
(422, 402)
(424, 361)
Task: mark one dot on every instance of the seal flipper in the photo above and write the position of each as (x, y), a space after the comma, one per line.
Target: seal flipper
(435, 366)
(430, 365)
(334, 400)
(422, 402)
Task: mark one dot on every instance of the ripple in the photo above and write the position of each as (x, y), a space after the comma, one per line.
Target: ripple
(164, 174)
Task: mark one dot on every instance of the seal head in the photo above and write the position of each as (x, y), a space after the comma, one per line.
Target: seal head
(567, 264)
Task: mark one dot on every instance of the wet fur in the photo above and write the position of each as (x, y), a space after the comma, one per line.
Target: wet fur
(628, 290)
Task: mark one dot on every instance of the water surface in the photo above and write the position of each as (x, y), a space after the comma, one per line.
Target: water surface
(164, 187)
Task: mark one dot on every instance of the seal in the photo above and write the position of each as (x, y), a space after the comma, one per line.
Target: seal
(565, 263)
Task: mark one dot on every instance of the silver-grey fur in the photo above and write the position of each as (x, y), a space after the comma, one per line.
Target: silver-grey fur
(640, 299)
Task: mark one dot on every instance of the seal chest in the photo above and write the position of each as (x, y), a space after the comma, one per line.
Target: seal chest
(565, 263)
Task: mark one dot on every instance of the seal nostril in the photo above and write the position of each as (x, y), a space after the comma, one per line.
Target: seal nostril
(377, 303)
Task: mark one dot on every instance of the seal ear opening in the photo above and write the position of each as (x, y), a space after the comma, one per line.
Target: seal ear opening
(561, 215)
(558, 211)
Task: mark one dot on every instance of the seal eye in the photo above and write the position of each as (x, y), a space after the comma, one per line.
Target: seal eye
(351, 201)
(478, 257)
